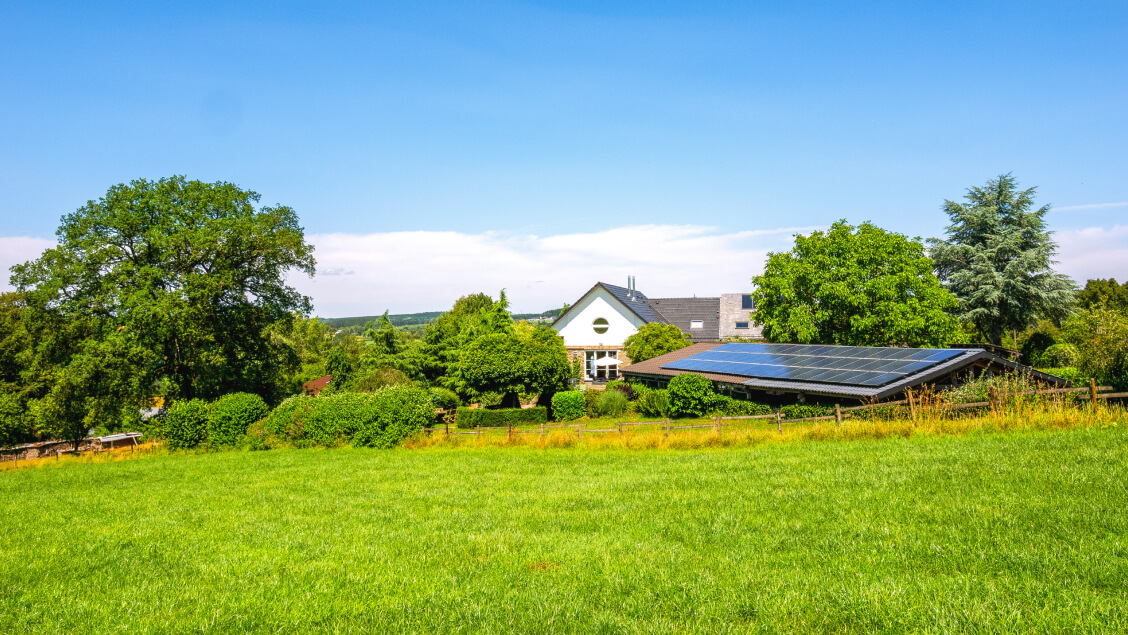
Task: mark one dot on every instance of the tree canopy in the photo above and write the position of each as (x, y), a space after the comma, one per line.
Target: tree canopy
(180, 280)
(998, 260)
(859, 286)
(1104, 293)
(516, 362)
(654, 339)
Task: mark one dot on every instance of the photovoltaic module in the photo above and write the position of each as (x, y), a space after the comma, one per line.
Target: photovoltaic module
(851, 365)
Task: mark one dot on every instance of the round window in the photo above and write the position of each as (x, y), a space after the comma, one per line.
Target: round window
(600, 325)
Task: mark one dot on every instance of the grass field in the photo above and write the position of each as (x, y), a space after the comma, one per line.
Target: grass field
(1015, 532)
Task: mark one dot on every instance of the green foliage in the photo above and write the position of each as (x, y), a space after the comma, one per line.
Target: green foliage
(443, 398)
(654, 403)
(654, 339)
(339, 365)
(979, 389)
(381, 419)
(1101, 337)
(470, 318)
(859, 286)
(1035, 345)
(730, 407)
(231, 415)
(568, 405)
(15, 422)
(998, 260)
(513, 363)
(1059, 355)
(1070, 374)
(380, 378)
(612, 403)
(878, 413)
(804, 410)
(473, 417)
(188, 275)
(287, 419)
(690, 394)
(590, 399)
(397, 412)
(186, 425)
(1105, 293)
(623, 387)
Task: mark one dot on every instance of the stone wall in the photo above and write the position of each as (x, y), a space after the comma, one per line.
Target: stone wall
(731, 313)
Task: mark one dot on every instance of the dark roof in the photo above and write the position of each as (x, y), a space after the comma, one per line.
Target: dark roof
(968, 358)
(638, 304)
(681, 311)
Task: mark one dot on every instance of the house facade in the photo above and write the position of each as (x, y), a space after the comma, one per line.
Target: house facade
(595, 327)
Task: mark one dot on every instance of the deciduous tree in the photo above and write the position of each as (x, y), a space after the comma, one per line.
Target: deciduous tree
(654, 339)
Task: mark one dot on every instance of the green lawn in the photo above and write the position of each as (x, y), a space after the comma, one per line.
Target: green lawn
(1020, 532)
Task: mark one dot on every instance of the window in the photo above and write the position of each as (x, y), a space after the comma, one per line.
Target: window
(697, 324)
(600, 325)
(741, 325)
(746, 303)
(595, 371)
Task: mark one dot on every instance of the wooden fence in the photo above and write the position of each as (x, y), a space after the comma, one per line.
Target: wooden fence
(1093, 392)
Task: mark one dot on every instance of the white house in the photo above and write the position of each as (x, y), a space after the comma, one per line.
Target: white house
(595, 327)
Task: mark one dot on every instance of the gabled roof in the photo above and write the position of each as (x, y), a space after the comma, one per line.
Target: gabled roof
(637, 305)
(681, 311)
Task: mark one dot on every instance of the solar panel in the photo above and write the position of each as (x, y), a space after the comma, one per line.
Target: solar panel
(853, 365)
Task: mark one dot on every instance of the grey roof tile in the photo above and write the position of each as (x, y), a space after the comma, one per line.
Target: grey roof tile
(681, 311)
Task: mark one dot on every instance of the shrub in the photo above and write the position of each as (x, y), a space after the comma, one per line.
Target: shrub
(443, 398)
(288, 418)
(231, 415)
(568, 405)
(394, 414)
(186, 425)
(1058, 356)
(335, 419)
(730, 407)
(380, 378)
(804, 410)
(1069, 374)
(654, 402)
(490, 399)
(15, 424)
(1035, 346)
(471, 417)
(979, 389)
(625, 388)
(690, 394)
(590, 399)
(612, 403)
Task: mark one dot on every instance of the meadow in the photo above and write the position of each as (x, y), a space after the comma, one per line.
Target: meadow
(986, 532)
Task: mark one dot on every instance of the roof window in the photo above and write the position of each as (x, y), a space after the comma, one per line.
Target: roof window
(697, 324)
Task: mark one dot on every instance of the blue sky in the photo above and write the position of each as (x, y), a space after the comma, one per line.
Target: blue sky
(515, 126)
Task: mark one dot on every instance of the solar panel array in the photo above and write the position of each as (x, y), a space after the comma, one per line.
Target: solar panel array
(853, 365)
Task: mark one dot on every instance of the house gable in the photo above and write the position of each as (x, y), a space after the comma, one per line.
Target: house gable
(577, 325)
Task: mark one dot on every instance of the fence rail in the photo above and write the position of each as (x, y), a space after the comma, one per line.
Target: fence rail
(840, 414)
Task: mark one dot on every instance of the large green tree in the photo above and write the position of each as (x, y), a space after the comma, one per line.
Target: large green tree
(1105, 293)
(188, 276)
(859, 286)
(998, 260)
(654, 339)
(445, 338)
(532, 361)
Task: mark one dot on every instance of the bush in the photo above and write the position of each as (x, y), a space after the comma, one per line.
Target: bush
(394, 414)
(380, 378)
(625, 388)
(472, 417)
(443, 398)
(730, 407)
(231, 415)
(654, 402)
(612, 403)
(186, 425)
(1069, 374)
(690, 394)
(568, 405)
(15, 424)
(804, 410)
(979, 389)
(1058, 356)
(288, 418)
(1035, 346)
(590, 399)
(335, 419)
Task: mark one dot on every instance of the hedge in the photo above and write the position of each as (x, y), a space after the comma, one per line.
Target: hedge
(380, 419)
(186, 425)
(730, 407)
(690, 394)
(472, 417)
(803, 411)
(568, 405)
(231, 415)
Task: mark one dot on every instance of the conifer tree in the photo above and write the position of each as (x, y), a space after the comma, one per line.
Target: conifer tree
(998, 260)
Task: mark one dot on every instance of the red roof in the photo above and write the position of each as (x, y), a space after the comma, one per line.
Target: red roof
(315, 386)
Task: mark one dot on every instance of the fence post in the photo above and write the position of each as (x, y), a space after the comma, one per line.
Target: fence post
(779, 422)
(620, 428)
(479, 428)
(718, 424)
(667, 426)
(1093, 392)
(991, 398)
(838, 414)
(509, 433)
(580, 432)
(446, 424)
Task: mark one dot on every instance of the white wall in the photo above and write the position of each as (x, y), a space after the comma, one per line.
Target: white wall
(576, 328)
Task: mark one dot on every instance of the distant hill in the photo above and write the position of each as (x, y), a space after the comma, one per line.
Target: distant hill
(416, 319)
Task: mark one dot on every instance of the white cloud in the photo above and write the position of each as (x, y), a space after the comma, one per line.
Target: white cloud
(1090, 206)
(16, 250)
(427, 271)
(1093, 252)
